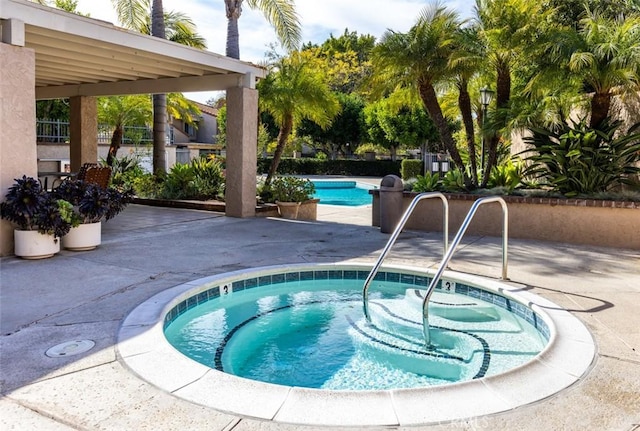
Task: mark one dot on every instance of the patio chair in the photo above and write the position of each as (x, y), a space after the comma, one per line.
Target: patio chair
(81, 175)
(83, 170)
(100, 175)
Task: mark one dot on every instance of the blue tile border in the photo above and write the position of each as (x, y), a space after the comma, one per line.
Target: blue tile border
(418, 281)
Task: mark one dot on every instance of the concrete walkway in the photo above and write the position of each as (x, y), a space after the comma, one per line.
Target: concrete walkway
(86, 295)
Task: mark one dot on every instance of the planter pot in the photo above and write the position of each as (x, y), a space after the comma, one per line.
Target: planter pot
(308, 210)
(31, 244)
(84, 237)
(288, 210)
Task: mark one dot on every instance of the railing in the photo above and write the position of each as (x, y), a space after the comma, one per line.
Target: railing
(56, 131)
(396, 233)
(52, 131)
(452, 248)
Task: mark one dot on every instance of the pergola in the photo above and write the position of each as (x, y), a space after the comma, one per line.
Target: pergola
(47, 53)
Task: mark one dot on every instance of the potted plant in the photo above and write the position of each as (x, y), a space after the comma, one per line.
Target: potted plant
(41, 218)
(294, 197)
(91, 205)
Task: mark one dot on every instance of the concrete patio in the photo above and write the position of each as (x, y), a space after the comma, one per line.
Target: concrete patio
(86, 295)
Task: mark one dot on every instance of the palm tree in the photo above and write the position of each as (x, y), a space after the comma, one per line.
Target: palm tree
(179, 28)
(421, 58)
(280, 14)
(133, 14)
(181, 108)
(120, 111)
(293, 91)
(607, 59)
(466, 62)
(136, 15)
(508, 28)
(159, 100)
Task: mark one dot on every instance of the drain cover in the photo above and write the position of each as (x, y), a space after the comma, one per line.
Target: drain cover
(70, 348)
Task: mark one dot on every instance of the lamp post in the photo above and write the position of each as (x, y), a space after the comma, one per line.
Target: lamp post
(485, 98)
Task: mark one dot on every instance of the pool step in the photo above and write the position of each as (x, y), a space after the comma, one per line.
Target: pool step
(455, 307)
(412, 355)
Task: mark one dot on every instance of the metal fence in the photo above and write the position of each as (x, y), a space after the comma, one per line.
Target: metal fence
(56, 131)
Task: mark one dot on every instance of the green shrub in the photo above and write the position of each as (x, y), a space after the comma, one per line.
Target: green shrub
(577, 159)
(208, 179)
(427, 183)
(124, 172)
(291, 189)
(354, 168)
(146, 186)
(507, 175)
(411, 168)
(200, 179)
(365, 148)
(178, 183)
(453, 181)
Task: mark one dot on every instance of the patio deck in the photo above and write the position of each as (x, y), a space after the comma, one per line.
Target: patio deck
(86, 295)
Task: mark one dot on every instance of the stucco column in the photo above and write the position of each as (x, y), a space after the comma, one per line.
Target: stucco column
(242, 144)
(83, 130)
(18, 154)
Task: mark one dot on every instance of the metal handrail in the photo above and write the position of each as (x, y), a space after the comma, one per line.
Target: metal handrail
(452, 249)
(396, 233)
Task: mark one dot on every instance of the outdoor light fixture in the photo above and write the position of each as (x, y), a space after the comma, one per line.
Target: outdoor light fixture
(435, 166)
(445, 166)
(485, 98)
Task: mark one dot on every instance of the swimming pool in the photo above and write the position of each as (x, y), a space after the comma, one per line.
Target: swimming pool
(144, 349)
(307, 329)
(343, 193)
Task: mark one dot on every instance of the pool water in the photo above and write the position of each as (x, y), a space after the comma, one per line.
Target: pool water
(345, 193)
(311, 333)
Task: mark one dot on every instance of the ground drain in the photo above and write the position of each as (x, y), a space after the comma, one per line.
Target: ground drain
(70, 348)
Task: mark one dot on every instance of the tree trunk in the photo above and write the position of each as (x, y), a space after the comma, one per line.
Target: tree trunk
(503, 95)
(599, 108)
(157, 19)
(159, 100)
(464, 102)
(394, 153)
(159, 133)
(116, 142)
(430, 101)
(234, 9)
(283, 136)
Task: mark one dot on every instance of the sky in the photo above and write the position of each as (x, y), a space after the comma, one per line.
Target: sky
(319, 19)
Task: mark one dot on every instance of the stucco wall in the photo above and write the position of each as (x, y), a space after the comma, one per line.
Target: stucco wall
(207, 129)
(17, 125)
(574, 221)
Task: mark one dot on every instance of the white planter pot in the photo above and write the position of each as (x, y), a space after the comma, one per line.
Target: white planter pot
(31, 244)
(84, 237)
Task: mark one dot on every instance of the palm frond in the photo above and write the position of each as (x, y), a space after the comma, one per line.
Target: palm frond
(282, 15)
(132, 14)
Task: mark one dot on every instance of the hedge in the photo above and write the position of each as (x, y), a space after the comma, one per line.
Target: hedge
(355, 168)
(411, 168)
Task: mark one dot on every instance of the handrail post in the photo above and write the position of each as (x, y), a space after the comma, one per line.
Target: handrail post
(394, 237)
(452, 248)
